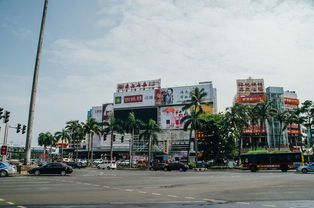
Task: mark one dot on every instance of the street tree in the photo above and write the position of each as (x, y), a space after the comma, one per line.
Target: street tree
(91, 127)
(44, 140)
(64, 136)
(149, 134)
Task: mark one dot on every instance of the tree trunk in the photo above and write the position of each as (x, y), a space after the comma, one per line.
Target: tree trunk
(50, 153)
(111, 147)
(189, 148)
(45, 150)
(131, 148)
(280, 133)
(240, 148)
(88, 149)
(196, 146)
(76, 147)
(149, 150)
(62, 150)
(92, 146)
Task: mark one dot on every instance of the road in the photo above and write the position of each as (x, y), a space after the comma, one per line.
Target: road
(122, 188)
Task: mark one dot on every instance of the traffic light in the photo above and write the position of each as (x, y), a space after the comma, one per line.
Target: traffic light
(114, 138)
(23, 129)
(122, 139)
(6, 116)
(18, 128)
(105, 137)
(4, 150)
(1, 113)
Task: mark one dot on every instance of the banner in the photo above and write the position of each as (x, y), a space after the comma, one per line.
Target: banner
(250, 99)
(140, 85)
(246, 87)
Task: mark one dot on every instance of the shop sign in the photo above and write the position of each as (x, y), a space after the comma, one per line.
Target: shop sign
(292, 101)
(250, 99)
(133, 99)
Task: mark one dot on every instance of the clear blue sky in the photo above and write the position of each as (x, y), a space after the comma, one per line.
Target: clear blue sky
(90, 46)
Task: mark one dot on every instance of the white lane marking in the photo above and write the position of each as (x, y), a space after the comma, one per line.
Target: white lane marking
(106, 186)
(1, 200)
(268, 205)
(156, 194)
(10, 203)
(129, 190)
(21, 207)
(244, 203)
(142, 192)
(96, 185)
(188, 197)
(173, 196)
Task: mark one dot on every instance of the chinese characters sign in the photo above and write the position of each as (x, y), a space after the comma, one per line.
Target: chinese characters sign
(246, 87)
(140, 85)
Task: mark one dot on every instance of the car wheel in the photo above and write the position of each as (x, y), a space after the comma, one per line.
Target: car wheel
(304, 170)
(253, 168)
(165, 169)
(3, 173)
(37, 173)
(180, 169)
(284, 168)
(63, 173)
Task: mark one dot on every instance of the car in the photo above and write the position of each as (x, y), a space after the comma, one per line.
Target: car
(158, 166)
(75, 165)
(98, 161)
(306, 168)
(7, 169)
(52, 168)
(176, 166)
(107, 165)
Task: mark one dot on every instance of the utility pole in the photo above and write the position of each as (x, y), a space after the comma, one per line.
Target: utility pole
(28, 144)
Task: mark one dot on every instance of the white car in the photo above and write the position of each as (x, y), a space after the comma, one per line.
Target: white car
(98, 161)
(107, 165)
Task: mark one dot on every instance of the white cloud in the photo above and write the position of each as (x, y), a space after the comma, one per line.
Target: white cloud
(182, 42)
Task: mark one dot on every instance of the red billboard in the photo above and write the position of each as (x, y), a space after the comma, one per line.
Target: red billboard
(133, 99)
(292, 101)
(250, 99)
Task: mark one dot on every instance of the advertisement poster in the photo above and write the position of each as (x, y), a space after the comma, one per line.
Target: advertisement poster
(107, 110)
(170, 117)
(139, 85)
(132, 99)
(179, 95)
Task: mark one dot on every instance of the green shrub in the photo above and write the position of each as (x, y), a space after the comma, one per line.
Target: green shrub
(191, 165)
(219, 167)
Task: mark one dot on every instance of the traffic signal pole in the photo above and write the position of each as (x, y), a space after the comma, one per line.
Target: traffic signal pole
(28, 144)
(5, 139)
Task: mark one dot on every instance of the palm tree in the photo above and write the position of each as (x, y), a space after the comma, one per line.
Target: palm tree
(237, 119)
(196, 101)
(264, 111)
(44, 140)
(133, 125)
(64, 136)
(149, 133)
(52, 143)
(193, 122)
(281, 117)
(91, 127)
(76, 133)
(114, 125)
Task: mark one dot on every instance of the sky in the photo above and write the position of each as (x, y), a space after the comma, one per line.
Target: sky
(90, 46)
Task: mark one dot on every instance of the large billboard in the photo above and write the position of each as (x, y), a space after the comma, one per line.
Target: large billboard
(107, 110)
(170, 117)
(139, 85)
(180, 95)
(130, 99)
(250, 87)
(144, 114)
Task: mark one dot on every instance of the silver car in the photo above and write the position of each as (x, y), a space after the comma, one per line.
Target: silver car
(306, 168)
(7, 169)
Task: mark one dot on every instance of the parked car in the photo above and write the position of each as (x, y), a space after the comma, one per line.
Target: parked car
(98, 161)
(176, 166)
(7, 169)
(158, 166)
(141, 163)
(306, 168)
(52, 168)
(75, 165)
(107, 165)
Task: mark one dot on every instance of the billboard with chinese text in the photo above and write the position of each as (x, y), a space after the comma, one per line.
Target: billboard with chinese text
(139, 85)
(247, 87)
(132, 99)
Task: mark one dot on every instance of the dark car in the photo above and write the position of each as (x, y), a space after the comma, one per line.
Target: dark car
(176, 166)
(75, 164)
(52, 168)
(158, 166)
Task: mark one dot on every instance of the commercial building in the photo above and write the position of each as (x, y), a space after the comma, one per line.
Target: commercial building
(250, 92)
(148, 100)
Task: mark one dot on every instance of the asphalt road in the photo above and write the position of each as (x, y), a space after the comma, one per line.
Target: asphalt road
(131, 189)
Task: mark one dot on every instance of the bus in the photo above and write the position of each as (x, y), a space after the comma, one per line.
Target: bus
(283, 161)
